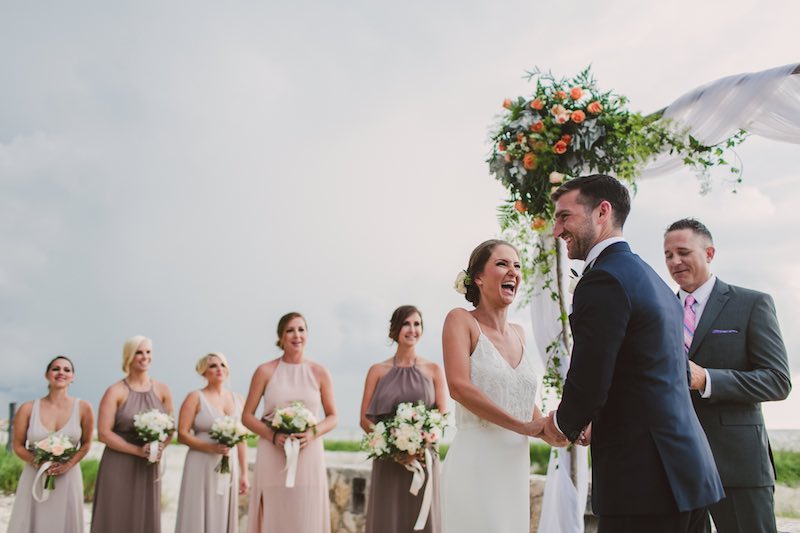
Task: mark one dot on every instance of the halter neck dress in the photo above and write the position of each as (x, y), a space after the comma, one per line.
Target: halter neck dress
(390, 507)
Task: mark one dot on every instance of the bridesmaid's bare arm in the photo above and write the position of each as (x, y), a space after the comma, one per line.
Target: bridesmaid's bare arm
(258, 383)
(189, 409)
(112, 399)
(21, 421)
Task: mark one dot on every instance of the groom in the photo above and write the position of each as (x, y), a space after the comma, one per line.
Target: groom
(652, 468)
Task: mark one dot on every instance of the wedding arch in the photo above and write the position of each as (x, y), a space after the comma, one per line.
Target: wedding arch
(567, 127)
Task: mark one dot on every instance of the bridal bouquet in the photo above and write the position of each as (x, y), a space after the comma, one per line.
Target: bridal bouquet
(55, 448)
(294, 418)
(414, 431)
(153, 426)
(229, 431)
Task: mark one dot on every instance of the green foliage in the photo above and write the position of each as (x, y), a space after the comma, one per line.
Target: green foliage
(10, 469)
(89, 472)
(342, 446)
(540, 457)
(787, 466)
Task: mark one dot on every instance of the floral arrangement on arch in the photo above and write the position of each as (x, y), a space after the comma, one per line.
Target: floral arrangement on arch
(568, 127)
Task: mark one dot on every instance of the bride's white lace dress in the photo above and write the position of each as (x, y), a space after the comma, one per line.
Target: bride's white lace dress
(486, 476)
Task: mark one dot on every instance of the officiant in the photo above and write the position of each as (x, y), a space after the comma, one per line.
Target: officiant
(737, 360)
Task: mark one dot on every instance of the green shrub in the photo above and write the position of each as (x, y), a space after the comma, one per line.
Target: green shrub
(10, 470)
(342, 446)
(89, 472)
(787, 466)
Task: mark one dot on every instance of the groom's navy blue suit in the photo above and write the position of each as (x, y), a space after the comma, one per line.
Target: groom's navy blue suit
(628, 376)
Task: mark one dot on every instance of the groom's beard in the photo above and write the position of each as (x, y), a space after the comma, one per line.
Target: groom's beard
(582, 240)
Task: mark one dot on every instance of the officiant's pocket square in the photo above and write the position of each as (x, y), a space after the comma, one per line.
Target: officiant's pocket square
(724, 331)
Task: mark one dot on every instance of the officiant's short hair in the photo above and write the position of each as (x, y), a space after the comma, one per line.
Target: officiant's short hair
(692, 224)
(596, 188)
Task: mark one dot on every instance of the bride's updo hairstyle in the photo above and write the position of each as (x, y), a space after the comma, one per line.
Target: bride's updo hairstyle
(398, 317)
(284, 321)
(477, 262)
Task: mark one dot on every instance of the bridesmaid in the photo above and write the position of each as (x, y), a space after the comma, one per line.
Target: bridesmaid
(200, 508)
(127, 494)
(274, 508)
(55, 413)
(405, 377)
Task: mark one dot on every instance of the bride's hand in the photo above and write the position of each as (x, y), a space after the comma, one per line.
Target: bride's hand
(535, 428)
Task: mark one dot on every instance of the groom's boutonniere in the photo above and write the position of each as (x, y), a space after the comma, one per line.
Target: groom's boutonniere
(574, 278)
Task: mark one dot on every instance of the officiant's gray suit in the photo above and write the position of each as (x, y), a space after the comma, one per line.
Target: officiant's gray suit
(738, 341)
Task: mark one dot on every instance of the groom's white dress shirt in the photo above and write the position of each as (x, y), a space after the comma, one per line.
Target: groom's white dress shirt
(701, 295)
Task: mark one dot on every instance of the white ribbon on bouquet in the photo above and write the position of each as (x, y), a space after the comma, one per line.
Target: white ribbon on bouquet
(291, 447)
(152, 456)
(41, 479)
(417, 480)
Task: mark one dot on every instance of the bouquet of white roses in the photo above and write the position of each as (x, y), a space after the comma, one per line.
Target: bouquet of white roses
(153, 426)
(229, 431)
(415, 430)
(54, 448)
(294, 418)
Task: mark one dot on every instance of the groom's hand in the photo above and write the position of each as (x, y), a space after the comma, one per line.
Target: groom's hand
(552, 435)
(585, 437)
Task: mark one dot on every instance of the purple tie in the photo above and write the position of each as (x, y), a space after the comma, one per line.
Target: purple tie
(689, 320)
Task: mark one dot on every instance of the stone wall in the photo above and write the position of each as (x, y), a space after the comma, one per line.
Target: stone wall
(349, 487)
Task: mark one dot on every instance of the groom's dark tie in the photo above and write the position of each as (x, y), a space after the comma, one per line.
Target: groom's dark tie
(689, 322)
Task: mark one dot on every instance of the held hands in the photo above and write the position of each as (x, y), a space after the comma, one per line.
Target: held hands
(552, 435)
(585, 438)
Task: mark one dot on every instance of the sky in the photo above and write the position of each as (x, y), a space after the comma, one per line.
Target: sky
(191, 171)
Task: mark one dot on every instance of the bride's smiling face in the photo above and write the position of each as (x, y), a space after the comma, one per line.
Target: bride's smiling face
(501, 276)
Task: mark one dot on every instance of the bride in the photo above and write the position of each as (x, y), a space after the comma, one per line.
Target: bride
(486, 477)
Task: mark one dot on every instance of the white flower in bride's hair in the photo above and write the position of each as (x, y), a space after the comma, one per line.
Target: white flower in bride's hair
(462, 280)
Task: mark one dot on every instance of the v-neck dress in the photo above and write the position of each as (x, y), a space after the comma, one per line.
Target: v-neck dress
(200, 508)
(486, 474)
(63, 510)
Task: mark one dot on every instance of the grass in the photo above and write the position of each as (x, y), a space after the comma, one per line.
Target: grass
(10, 470)
(89, 472)
(787, 465)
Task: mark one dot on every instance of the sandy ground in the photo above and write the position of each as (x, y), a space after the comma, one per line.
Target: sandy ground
(787, 501)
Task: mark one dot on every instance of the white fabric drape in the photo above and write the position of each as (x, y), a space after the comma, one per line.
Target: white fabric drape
(765, 103)
(563, 504)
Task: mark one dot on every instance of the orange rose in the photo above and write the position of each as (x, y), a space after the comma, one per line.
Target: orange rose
(594, 108)
(501, 146)
(560, 147)
(520, 206)
(529, 161)
(538, 223)
(578, 116)
(536, 128)
(507, 157)
(537, 104)
(507, 103)
(567, 138)
(560, 95)
(576, 93)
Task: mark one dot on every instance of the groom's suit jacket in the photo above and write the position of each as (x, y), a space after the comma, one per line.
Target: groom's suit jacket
(628, 376)
(739, 342)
